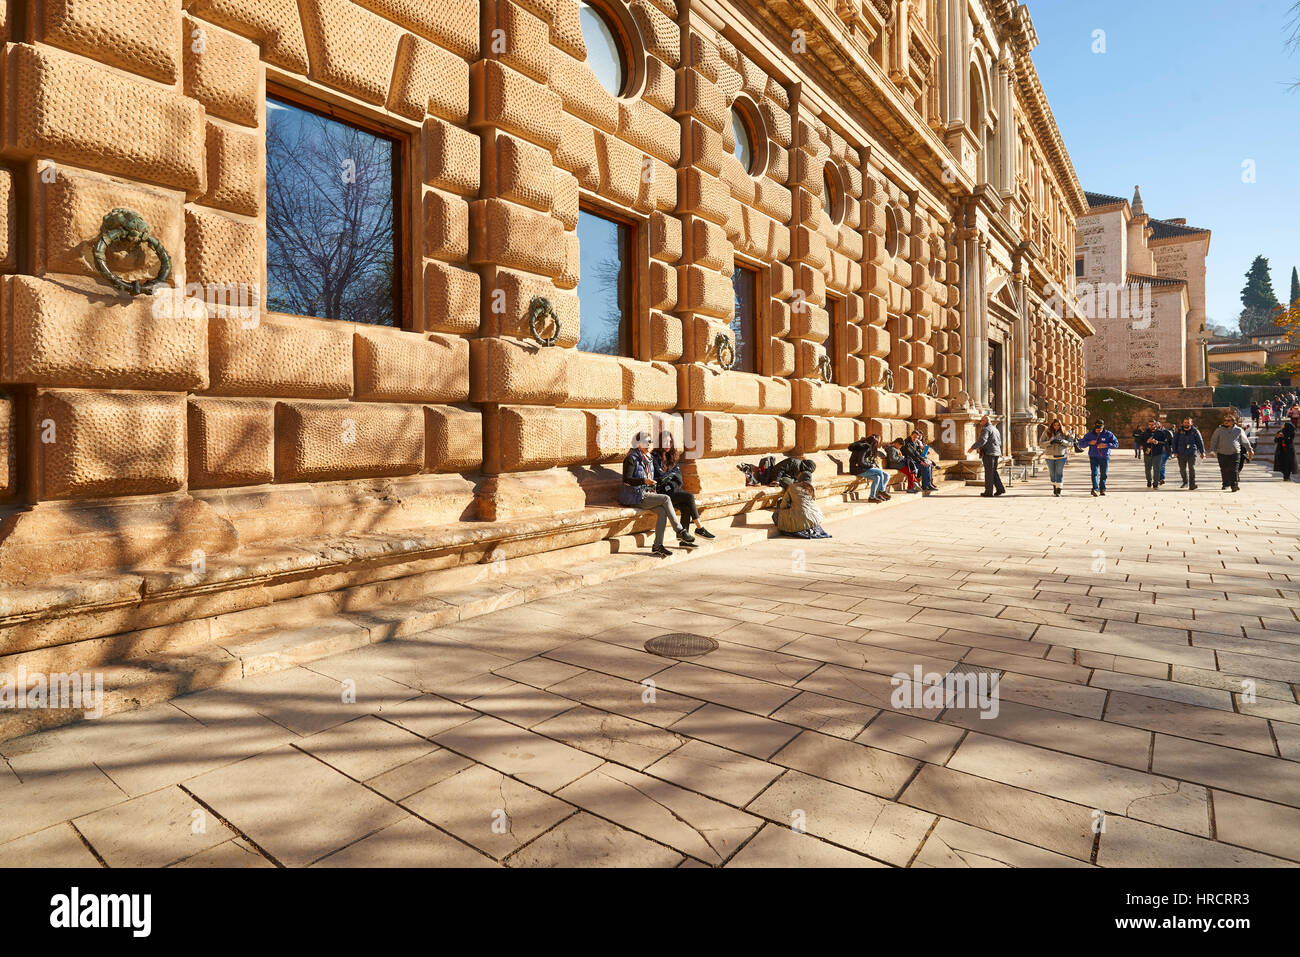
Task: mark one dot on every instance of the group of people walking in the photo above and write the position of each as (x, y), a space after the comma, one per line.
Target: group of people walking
(1283, 406)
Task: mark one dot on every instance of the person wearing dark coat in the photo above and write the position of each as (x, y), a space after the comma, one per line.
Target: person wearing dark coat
(1284, 451)
(638, 491)
(1188, 444)
(668, 472)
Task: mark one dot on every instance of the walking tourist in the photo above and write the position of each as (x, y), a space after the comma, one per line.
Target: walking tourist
(1284, 451)
(1188, 444)
(637, 491)
(989, 446)
(1227, 443)
(1156, 443)
(1254, 412)
(668, 473)
(1099, 443)
(863, 462)
(1250, 446)
(1058, 443)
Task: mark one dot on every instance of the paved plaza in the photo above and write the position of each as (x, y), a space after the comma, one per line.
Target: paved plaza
(1143, 652)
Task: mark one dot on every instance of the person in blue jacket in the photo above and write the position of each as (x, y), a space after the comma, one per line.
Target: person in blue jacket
(1188, 444)
(1098, 442)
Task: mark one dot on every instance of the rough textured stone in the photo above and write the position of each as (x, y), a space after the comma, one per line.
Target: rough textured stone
(318, 440)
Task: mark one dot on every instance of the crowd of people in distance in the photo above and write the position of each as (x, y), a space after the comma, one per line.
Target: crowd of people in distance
(652, 477)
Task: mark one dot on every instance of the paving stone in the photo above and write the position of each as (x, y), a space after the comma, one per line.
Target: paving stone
(1204, 724)
(250, 796)
(642, 702)
(954, 844)
(520, 704)
(845, 816)
(152, 830)
(1114, 790)
(734, 691)
(57, 846)
(737, 730)
(586, 841)
(715, 772)
(1129, 843)
(427, 715)
(229, 854)
(530, 757)
(1243, 772)
(847, 762)
(488, 810)
(1260, 825)
(903, 734)
(53, 797)
(781, 847)
(611, 736)
(365, 747)
(1036, 819)
(424, 772)
(538, 672)
(1052, 695)
(408, 843)
(612, 659)
(699, 826)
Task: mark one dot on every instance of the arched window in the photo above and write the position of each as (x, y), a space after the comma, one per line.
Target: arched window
(606, 54)
(751, 143)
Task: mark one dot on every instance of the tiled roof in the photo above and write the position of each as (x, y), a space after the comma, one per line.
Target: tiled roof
(1238, 367)
(1134, 279)
(1163, 229)
(1238, 347)
(1102, 199)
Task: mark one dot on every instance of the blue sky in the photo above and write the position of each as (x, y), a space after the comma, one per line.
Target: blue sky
(1186, 92)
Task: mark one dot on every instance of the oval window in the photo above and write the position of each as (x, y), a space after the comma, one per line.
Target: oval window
(891, 231)
(740, 126)
(604, 49)
(832, 201)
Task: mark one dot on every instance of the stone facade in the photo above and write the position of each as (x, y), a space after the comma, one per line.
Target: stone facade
(909, 206)
(1143, 285)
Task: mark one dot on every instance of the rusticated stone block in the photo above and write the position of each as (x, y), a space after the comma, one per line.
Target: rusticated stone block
(231, 442)
(759, 433)
(140, 38)
(650, 129)
(275, 25)
(704, 195)
(70, 211)
(454, 439)
(8, 222)
(351, 49)
(451, 23)
(338, 440)
(281, 356)
(576, 152)
(68, 109)
(565, 202)
(517, 372)
(397, 366)
(90, 444)
(582, 94)
(518, 237)
(775, 395)
(814, 434)
(221, 71)
(527, 46)
(665, 337)
(572, 272)
(524, 438)
(429, 79)
(649, 385)
(8, 436)
(609, 433)
(782, 358)
(712, 433)
(705, 291)
(451, 157)
(665, 237)
(235, 170)
(509, 293)
(220, 250)
(56, 336)
(451, 298)
(660, 85)
(620, 169)
(705, 101)
(663, 285)
(523, 172)
(594, 381)
(507, 99)
(446, 226)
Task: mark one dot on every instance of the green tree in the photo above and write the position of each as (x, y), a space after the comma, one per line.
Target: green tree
(1258, 299)
(1295, 286)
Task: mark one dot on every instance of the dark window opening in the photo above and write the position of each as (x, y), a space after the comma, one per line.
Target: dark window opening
(331, 218)
(1078, 267)
(744, 323)
(605, 250)
(836, 308)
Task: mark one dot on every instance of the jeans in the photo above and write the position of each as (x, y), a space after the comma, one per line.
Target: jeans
(1187, 468)
(992, 480)
(1228, 468)
(927, 476)
(1155, 467)
(1056, 470)
(662, 506)
(878, 479)
(1099, 468)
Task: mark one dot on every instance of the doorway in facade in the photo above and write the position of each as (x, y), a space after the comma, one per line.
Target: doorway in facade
(997, 376)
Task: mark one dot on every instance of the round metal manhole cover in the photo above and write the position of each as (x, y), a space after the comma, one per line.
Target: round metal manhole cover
(680, 645)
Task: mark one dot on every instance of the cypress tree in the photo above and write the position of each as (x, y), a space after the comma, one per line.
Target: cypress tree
(1295, 286)
(1259, 299)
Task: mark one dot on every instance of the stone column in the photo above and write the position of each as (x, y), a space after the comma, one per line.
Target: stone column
(1024, 422)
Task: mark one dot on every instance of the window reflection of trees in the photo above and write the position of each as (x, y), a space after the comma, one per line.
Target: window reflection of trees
(330, 231)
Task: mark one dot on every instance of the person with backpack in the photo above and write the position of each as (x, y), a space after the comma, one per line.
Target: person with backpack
(638, 491)
(668, 473)
(1058, 443)
(898, 457)
(796, 512)
(1188, 444)
(989, 446)
(863, 462)
(1099, 443)
(1228, 443)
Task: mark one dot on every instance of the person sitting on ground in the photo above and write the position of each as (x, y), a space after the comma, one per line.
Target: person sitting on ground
(898, 457)
(864, 457)
(796, 512)
(919, 450)
(638, 491)
(668, 471)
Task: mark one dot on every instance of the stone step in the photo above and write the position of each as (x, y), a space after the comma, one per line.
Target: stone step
(297, 631)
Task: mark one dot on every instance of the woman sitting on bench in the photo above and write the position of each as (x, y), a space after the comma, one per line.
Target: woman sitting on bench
(668, 470)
